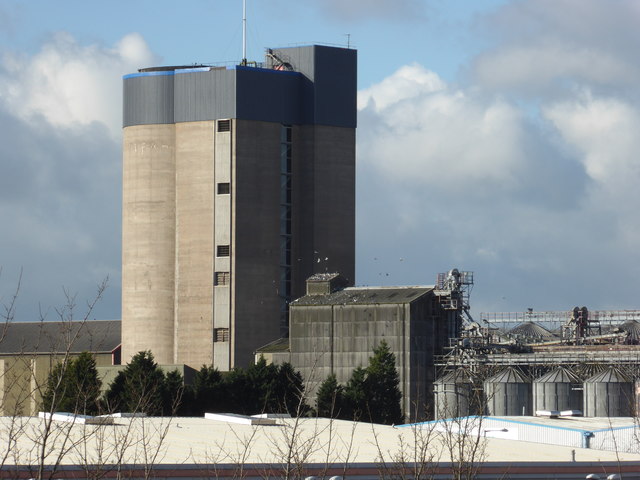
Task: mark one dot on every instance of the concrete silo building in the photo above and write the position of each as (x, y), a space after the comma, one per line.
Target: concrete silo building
(238, 184)
(335, 329)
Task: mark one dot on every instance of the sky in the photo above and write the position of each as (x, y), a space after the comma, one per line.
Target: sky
(494, 136)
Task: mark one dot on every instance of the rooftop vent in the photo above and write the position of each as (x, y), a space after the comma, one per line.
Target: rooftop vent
(325, 283)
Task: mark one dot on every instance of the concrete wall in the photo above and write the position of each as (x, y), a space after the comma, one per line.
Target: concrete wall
(256, 256)
(323, 203)
(148, 241)
(194, 246)
(23, 379)
(338, 338)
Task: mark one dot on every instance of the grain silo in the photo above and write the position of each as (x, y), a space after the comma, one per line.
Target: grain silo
(508, 393)
(456, 395)
(560, 389)
(608, 394)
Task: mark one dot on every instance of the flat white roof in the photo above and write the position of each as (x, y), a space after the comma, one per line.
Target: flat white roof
(189, 440)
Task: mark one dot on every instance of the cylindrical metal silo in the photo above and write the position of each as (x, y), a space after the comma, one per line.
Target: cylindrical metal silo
(508, 393)
(455, 395)
(559, 389)
(608, 394)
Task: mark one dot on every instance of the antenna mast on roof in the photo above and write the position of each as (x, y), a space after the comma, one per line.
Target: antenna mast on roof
(244, 32)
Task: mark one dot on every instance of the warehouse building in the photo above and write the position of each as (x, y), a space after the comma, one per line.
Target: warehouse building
(334, 329)
(29, 350)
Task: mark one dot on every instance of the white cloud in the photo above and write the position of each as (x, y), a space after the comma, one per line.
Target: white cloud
(71, 84)
(539, 197)
(408, 82)
(60, 123)
(416, 129)
(605, 132)
(545, 45)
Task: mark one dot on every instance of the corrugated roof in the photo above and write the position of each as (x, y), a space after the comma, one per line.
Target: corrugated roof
(558, 375)
(531, 330)
(366, 295)
(458, 376)
(508, 375)
(280, 345)
(632, 327)
(46, 337)
(610, 375)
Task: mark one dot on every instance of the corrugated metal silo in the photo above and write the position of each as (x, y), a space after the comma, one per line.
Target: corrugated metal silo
(508, 393)
(608, 394)
(455, 395)
(560, 389)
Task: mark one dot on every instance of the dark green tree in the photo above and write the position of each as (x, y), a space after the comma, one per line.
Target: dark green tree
(207, 391)
(139, 387)
(260, 388)
(355, 396)
(261, 378)
(373, 394)
(329, 400)
(74, 387)
(382, 387)
(240, 393)
(288, 392)
(175, 398)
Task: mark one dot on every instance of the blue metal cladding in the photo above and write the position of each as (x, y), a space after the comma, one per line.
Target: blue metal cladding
(205, 95)
(148, 99)
(321, 90)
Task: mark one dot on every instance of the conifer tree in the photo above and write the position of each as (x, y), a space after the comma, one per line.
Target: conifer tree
(137, 388)
(208, 391)
(372, 394)
(355, 396)
(175, 399)
(329, 401)
(73, 388)
(288, 391)
(382, 387)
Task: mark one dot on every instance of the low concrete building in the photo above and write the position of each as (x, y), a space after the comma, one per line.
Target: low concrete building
(29, 350)
(335, 329)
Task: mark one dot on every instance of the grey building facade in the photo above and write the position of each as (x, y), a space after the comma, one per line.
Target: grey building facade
(238, 183)
(335, 329)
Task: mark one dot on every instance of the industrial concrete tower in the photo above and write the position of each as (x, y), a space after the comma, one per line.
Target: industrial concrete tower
(238, 184)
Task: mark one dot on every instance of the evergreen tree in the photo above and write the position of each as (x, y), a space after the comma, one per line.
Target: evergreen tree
(239, 393)
(329, 400)
(288, 392)
(74, 387)
(373, 394)
(174, 395)
(138, 388)
(208, 391)
(382, 387)
(260, 388)
(261, 379)
(355, 396)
